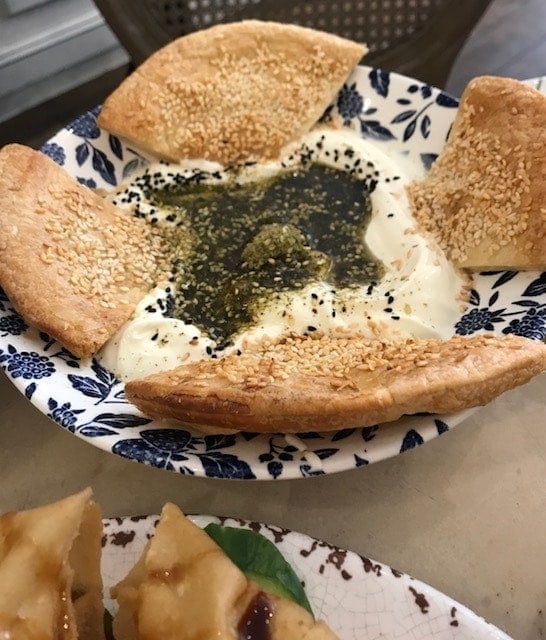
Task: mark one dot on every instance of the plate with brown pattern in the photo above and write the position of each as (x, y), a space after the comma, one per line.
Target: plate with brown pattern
(358, 597)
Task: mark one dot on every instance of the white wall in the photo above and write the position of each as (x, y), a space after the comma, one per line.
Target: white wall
(48, 47)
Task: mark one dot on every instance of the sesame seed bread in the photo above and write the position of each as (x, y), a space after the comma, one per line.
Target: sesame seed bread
(50, 579)
(185, 586)
(231, 93)
(71, 263)
(324, 383)
(484, 199)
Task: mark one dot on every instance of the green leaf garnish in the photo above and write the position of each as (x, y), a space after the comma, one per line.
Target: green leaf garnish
(261, 561)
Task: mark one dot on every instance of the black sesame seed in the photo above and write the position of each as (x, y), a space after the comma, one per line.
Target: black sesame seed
(220, 289)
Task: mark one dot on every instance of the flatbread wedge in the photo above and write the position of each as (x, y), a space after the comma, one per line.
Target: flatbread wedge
(231, 93)
(184, 587)
(50, 580)
(71, 263)
(484, 199)
(325, 383)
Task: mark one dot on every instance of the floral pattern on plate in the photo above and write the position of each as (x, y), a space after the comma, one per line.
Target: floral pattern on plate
(86, 399)
(358, 597)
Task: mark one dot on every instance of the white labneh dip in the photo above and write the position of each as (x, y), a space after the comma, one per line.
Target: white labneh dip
(420, 293)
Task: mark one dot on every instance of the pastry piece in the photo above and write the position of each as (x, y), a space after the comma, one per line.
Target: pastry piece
(484, 199)
(325, 383)
(71, 263)
(231, 93)
(184, 587)
(50, 581)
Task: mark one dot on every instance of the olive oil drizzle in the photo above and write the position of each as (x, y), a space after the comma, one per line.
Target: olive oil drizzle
(254, 242)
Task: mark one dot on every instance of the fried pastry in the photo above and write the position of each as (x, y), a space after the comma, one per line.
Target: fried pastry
(303, 383)
(70, 262)
(231, 93)
(185, 587)
(484, 199)
(50, 581)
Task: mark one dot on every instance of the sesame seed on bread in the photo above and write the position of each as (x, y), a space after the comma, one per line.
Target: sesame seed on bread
(484, 199)
(231, 93)
(71, 263)
(299, 383)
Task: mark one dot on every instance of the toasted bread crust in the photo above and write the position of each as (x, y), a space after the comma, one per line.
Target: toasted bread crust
(484, 199)
(231, 93)
(71, 263)
(302, 383)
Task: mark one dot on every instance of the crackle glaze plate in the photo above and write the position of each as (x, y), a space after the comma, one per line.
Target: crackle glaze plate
(89, 401)
(358, 597)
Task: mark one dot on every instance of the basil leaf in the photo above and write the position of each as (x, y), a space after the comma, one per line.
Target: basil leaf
(261, 561)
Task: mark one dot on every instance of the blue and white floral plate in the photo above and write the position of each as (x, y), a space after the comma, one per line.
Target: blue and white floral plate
(358, 597)
(89, 401)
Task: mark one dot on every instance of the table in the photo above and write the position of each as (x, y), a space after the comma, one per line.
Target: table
(465, 513)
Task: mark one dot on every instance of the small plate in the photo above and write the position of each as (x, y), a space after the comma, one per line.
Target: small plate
(89, 401)
(358, 597)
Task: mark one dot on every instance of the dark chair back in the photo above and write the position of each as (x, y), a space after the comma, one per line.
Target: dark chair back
(419, 38)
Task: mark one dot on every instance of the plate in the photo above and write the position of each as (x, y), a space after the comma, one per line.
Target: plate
(88, 400)
(358, 597)
(538, 83)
